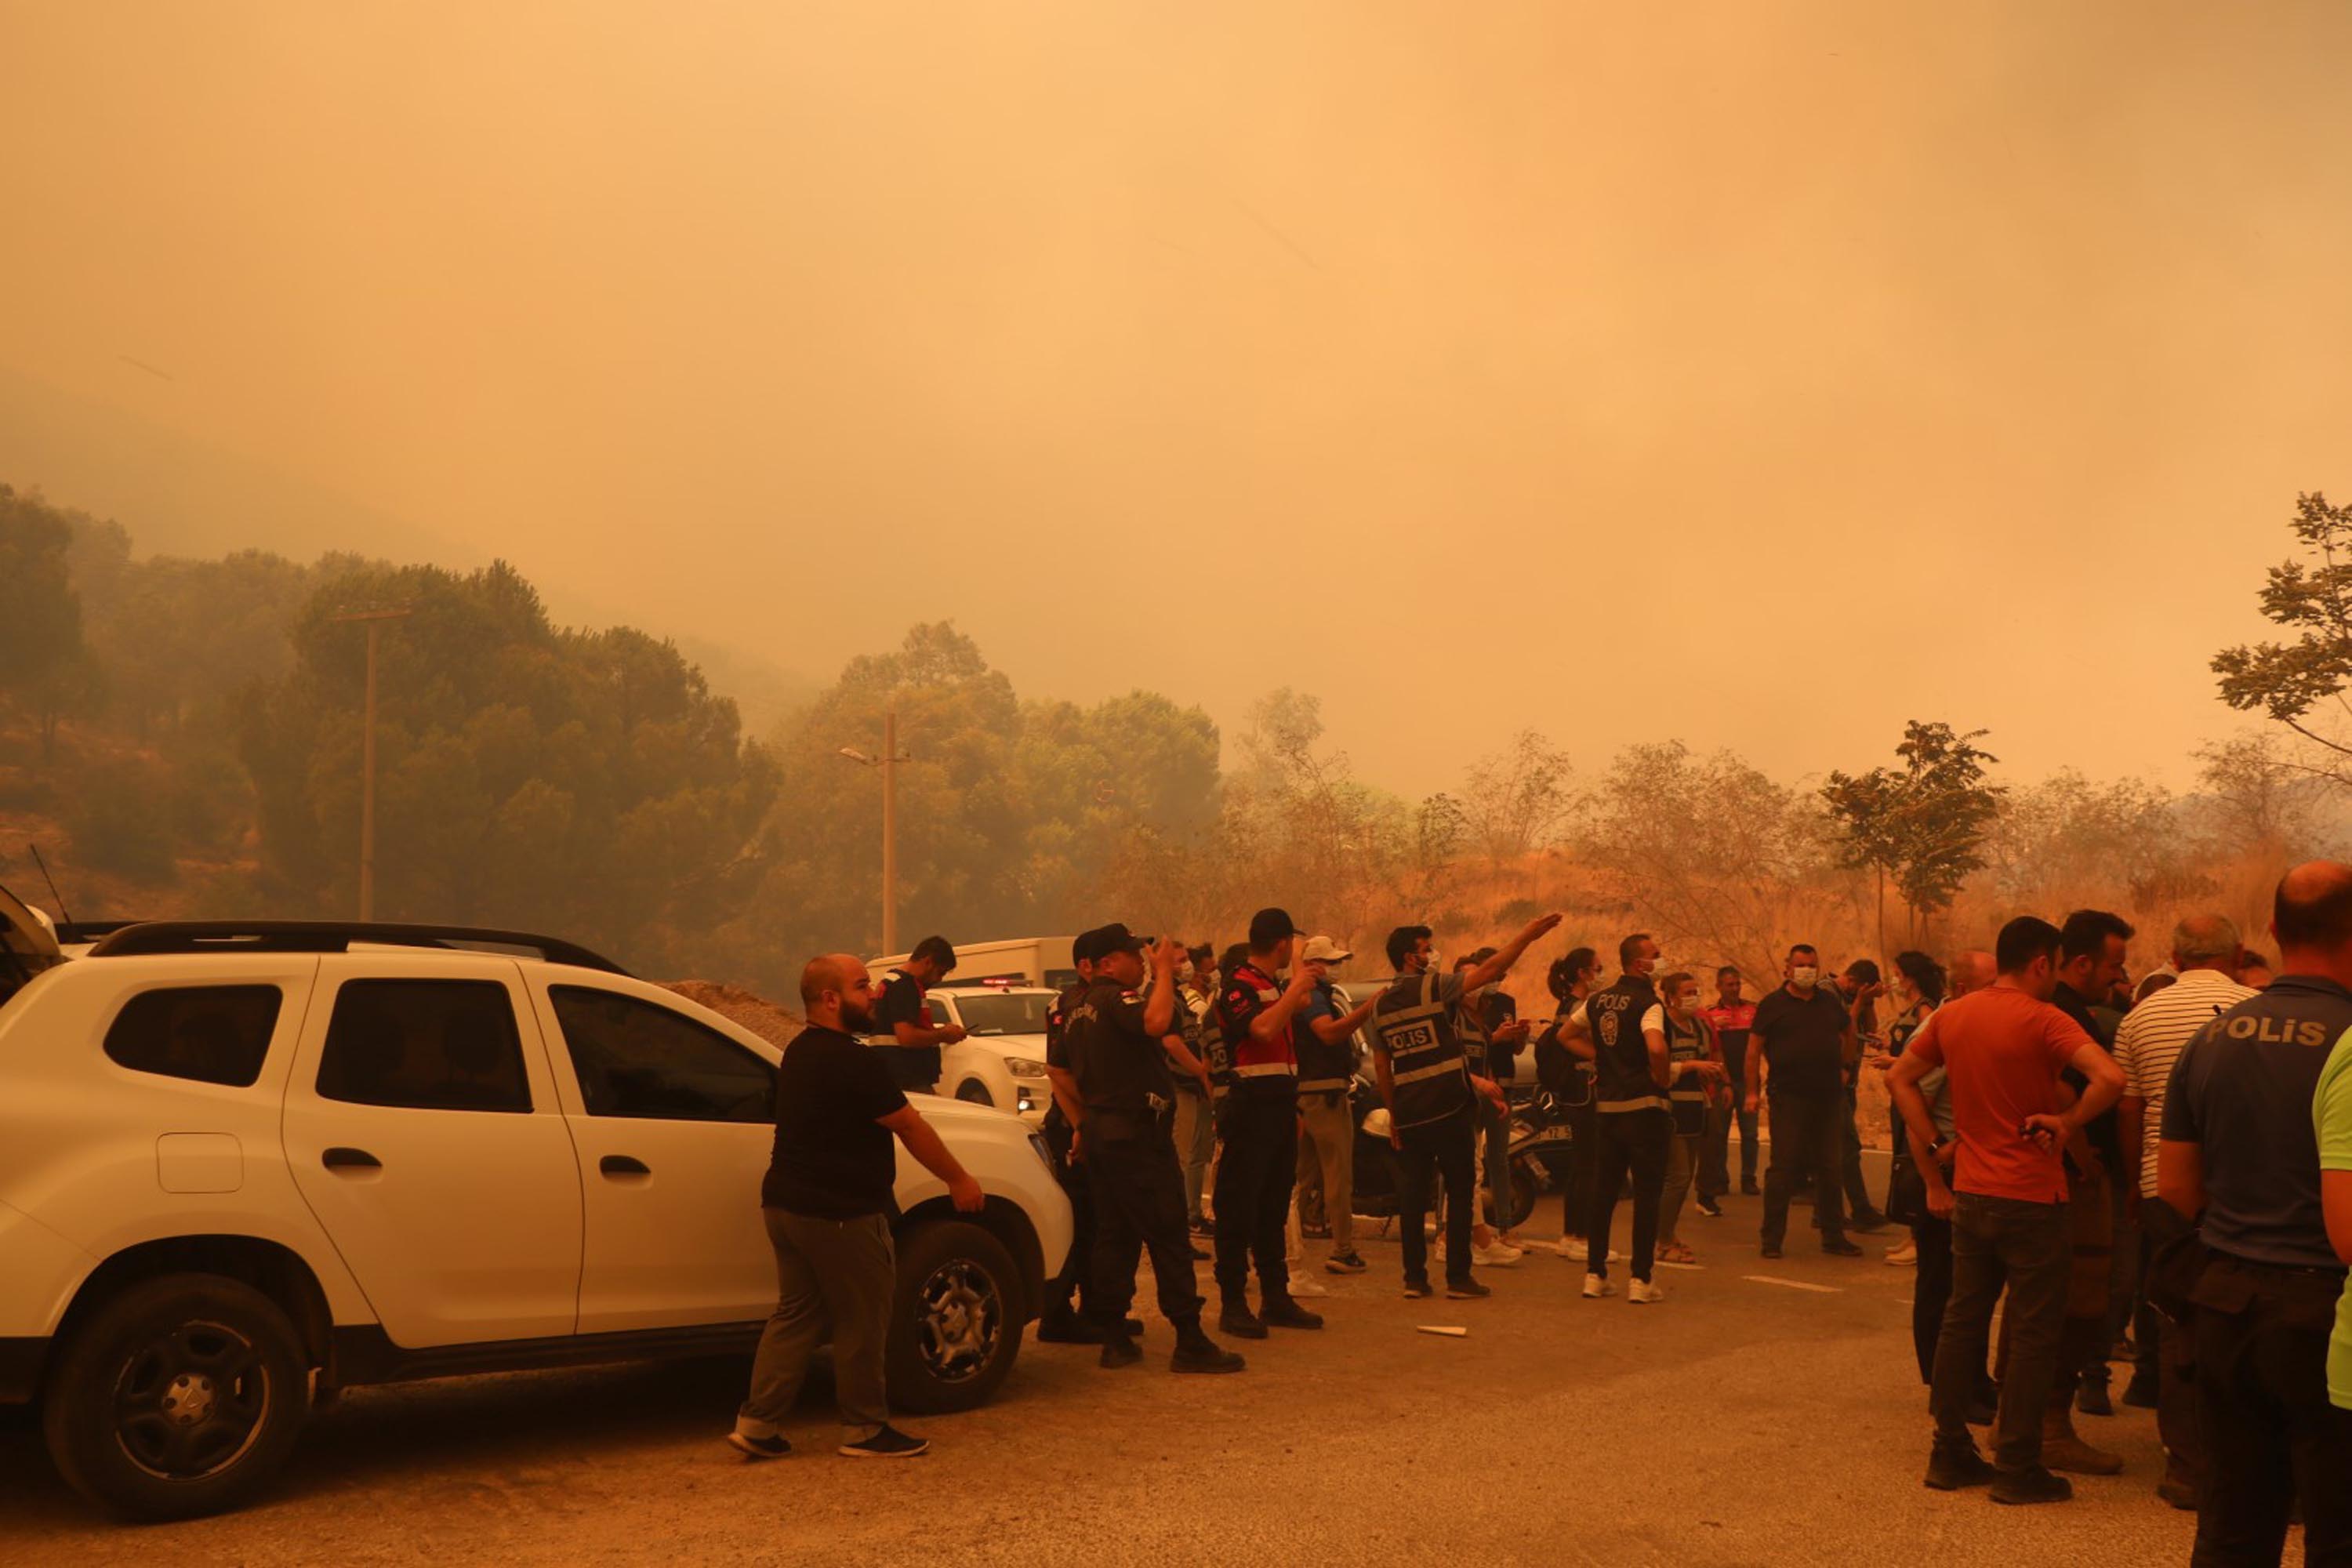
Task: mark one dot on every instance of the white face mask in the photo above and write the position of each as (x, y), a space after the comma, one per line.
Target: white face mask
(1804, 976)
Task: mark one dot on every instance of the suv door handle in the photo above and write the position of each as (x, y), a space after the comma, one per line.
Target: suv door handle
(623, 1166)
(349, 1159)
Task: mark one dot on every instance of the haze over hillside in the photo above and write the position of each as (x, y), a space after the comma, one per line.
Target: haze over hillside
(1763, 376)
(181, 495)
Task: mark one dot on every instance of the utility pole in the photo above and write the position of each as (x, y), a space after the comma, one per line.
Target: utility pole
(887, 762)
(374, 620)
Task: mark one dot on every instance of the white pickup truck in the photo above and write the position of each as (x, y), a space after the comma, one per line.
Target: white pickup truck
(244, 1166)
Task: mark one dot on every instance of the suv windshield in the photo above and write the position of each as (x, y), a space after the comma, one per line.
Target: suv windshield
(1002, 1013)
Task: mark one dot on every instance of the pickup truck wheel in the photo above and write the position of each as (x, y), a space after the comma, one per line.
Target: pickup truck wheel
(972, 1089)
(956, 1325)
(180, 1398)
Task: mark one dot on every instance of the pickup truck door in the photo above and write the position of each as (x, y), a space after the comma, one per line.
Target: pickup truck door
(423, 1130)
(674, 1119)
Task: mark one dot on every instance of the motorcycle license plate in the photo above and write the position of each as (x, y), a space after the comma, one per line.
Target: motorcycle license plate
(1552, 1135)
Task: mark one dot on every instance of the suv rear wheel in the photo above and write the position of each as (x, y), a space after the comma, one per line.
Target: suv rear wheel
(955, 1326)
(180, 1397)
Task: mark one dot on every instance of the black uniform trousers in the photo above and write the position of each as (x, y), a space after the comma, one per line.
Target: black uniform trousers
(1258, 1124)
(1583, 1159)
(1077, 1267)
(1138, 1199)
(1443, 1151)
(2271, 1437)
(1636, 1144)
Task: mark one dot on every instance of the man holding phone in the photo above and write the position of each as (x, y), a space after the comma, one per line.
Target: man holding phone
(2003, 1050)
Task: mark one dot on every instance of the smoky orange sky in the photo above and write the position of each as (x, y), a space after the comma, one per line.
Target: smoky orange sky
(1758, 375)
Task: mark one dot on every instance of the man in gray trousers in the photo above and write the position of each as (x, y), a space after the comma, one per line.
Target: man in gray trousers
(826, 1199)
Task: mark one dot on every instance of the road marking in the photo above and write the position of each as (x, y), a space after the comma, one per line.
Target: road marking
(1794, 1284)
(1685, 1268)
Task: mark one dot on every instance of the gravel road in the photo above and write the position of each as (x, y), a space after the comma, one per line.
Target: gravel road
(1766, 1413)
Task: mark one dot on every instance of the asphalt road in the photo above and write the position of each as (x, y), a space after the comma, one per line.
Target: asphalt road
(1766, 1413)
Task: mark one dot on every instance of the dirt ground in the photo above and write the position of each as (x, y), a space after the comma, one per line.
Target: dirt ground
(1766, 1413)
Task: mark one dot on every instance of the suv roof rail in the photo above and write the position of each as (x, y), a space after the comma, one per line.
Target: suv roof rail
(335, 936)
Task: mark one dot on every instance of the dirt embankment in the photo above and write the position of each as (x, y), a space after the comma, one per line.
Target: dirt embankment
(755, 1013)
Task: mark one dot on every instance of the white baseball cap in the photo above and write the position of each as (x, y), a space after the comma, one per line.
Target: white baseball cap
(1323, 950)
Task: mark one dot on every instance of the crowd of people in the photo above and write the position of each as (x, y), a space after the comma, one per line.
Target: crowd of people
(2158, 1173)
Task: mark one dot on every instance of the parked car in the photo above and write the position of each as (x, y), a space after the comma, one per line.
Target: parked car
(243, 1166)
(1002, 1059)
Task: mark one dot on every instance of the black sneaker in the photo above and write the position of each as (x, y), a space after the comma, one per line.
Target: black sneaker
(1950, 1469)
(1417, 1290)
(760, 1447)
(1202, 1227)
(1238, 1320)
(1117, 1350)
(1840, 1247)
(1749, 1189)
(2036, 1485)
(1869, 1224)
(1769, 1249)
(1465, 1290)
(1282, 1312)
(1345, 1263)
(2092, 1399)
(1202, 1255)
(2140, 1393)
(1710, 1207)
(888, 1444)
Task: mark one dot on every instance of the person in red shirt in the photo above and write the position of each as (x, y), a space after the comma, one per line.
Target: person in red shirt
(1731, 1018)
(2003, 1050)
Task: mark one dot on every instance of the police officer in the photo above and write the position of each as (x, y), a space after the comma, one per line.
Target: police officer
(2239, 1144)
(1119, 1046)
(1058, 1324)
(1636, 1133)
(1431, 1093)
(1258, 1122)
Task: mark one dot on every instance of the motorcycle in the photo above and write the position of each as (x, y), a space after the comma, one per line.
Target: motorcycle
(1541, 1139)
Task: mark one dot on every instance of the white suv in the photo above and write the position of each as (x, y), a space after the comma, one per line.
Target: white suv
(1002, 1059)
(242, 1166)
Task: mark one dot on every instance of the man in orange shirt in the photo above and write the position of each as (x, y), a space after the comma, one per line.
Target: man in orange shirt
(2003, 1050)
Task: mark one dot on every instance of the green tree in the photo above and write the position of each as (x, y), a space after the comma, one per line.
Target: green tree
(1922, 825)
(2300, 684)
(582, 781)
(45, 665)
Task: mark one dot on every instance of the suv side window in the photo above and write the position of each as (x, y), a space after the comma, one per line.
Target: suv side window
(636, 1059)
(210, 1034)
(427, 1045)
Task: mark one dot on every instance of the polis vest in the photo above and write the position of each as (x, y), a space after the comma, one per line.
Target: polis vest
(1620, 1056)
(1685, 1048)
(1430, 1079)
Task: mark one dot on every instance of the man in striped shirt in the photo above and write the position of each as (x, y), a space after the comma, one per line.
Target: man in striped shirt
(2206, 951)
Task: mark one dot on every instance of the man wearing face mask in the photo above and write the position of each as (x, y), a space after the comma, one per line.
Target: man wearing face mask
(1798, 1047)
(1196, 1136)
(1426, 1085)
(1631, 1072)
(1324, 1039)
(1491, 1032)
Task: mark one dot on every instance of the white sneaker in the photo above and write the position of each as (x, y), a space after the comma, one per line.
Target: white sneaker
(1495, 1255)
(1902, 1257)
(1596, 1286)
(1570, 1247)
(1305, 1285)
(1640, 1292)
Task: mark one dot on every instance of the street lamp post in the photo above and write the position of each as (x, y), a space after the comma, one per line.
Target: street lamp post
(374, 620)
(887, 762)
